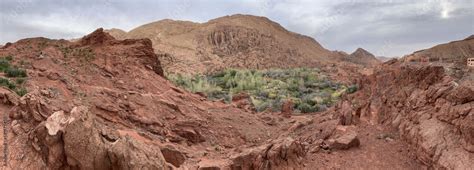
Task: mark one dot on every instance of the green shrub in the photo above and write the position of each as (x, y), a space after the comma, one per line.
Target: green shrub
(352, 88)
(276, 105)
(8, 57)
(20, 81)
(12, 71)
(6, 83)
(217, 94)
(84, 54)
(15, 72)
(21, 91)
(267, 88)
(306, 108)
(4, 64)
(260, 105)
(179, 80)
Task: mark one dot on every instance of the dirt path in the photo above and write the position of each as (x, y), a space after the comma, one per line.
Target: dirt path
(379, 149)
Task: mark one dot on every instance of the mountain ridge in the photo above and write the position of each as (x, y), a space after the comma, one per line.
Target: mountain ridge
(236, 41)
(455, 52)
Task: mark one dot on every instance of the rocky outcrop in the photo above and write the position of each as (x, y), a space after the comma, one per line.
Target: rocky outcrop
(101, 103)
(432, 112)
(343, 139)
(98, 37)
(228, 40)
(279, 154)
(78, 141)
(363, 57)
(141, 49)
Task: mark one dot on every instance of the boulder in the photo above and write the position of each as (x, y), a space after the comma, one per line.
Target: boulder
(344, 139)
(280, 154)
(189, 133)
(173, 156)
(78, 141)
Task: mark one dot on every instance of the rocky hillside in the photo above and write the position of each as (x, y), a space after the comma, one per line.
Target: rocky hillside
(101, 103)
(238, 41)
(431, 111)
(453, 52)
(363, 57)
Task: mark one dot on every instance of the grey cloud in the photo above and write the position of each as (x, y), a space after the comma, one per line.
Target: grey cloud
(384, 27)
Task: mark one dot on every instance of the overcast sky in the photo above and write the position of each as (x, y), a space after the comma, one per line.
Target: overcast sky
(383, 27)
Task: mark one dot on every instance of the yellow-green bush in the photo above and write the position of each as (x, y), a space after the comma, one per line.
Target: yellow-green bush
(310, 91)
(12, 72)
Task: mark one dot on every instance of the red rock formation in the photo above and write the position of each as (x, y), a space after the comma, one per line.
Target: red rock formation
(432, 112)
(98, 37)
(101, 103)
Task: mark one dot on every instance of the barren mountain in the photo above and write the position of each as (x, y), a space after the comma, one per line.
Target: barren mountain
(452, 52)
(239, 41)
(363, 57)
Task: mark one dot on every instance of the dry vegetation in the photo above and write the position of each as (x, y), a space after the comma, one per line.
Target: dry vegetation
(310, 90)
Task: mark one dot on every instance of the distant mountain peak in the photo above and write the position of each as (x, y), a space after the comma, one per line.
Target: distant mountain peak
(363, 57)
(360, 52)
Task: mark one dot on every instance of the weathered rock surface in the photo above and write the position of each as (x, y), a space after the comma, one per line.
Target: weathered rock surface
(343, 139)
(432, 112)
(101, 103)
(280, 154)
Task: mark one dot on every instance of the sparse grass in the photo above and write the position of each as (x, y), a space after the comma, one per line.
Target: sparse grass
(6, 83)
(4, 64)
(12, 72)
(65, 50)
(8, 57)
(21, 91)
(20, 80)
(84, 54)
(15, 72)
(307, 88)
(352, 88)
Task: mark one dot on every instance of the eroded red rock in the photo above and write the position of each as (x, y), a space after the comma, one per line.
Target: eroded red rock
(427, 107)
